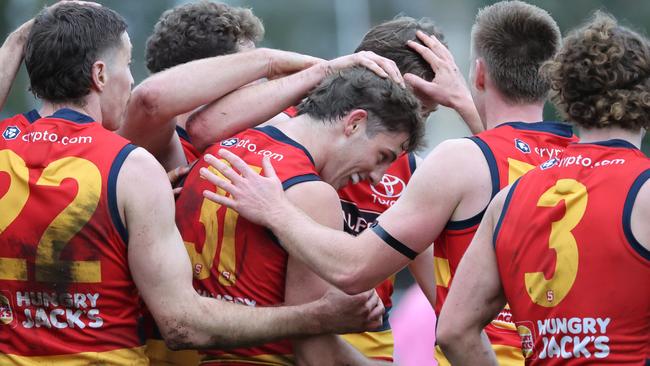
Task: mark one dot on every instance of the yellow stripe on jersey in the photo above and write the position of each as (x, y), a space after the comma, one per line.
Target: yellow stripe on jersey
(373, 344)
(517, 168)
(267, 360)
(443, 272)
(506, 356)
(160, 355)
(126, 357)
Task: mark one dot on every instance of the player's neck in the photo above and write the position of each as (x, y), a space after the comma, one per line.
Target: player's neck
(314, 136)
(498, 111)
(90, 109)
(603, 134)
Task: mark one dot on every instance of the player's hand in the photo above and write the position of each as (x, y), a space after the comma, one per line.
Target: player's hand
(175, 176)
(259, 198)
(381, 66)
(341, 313)
(448, 85)
(283, 63)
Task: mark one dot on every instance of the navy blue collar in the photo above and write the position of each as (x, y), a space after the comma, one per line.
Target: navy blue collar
(182, 133)
(32, 115)
(612, 143)
(63, 113)
(278, 135)
(557, 128)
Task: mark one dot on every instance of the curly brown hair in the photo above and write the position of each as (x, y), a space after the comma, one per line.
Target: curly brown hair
(389, 38)
(515, 39)
(198, 30)
(390, 107)
(601, 76)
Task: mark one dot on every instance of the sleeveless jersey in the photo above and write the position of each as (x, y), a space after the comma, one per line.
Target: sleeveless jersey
(362, 203)
(66, 293)
(232, 258)
(510, 149)
(191, 153)
(576, 278)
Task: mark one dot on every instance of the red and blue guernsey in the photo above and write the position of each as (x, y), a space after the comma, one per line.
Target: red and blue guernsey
(66, 293)
(576, 278)
(232, 258)
(362, 203)
(510, 149)
(191, 153)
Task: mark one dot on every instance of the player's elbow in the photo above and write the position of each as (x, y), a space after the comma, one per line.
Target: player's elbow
(147, 99)
(195, 126)
(351, 282)
(177, 335)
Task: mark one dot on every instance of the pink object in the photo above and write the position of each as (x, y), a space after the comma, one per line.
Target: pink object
(414, 323)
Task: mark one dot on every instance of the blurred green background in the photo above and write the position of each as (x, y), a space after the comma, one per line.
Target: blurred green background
(328, 28)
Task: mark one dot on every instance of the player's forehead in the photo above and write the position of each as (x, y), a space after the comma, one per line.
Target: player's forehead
(391, 143)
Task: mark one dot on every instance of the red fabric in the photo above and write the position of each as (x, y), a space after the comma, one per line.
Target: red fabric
(56, 310)
(531, 144)
(258, 275)
(291, 111)
(597, 285)
(191, 153)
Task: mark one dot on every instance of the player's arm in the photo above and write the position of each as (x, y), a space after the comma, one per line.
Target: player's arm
(422, 268)
(641, 216)
(320, 201)
(448, 88)
(353, 264)
(234, 113)
(161, 270)
(423, 272)
(154, 103)
(11, 56)
(475, 297)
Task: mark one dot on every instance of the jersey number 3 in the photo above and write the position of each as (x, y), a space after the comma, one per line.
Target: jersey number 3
(551, 292)
(64, 226)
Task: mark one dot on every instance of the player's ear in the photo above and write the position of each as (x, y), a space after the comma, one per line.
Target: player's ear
(355, 121)
(479, 73)
(99, 77)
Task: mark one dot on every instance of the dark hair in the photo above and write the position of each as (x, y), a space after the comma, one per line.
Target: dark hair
(199, 30)
(514, 39)
(64, 43)
(388, 39)
(390, 107)
(601, 76)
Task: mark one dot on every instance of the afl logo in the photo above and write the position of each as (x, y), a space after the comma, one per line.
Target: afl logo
(230, 142)
(11, 132)
(390, 186)
(522, 146)
(6, 314)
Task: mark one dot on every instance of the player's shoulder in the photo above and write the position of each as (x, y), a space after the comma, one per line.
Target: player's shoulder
(455, 151)
(315, 190)
(140, 163)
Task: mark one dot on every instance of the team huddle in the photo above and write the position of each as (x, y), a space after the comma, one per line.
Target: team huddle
(250, 206)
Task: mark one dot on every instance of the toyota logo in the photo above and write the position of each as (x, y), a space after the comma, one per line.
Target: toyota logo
(390, 186)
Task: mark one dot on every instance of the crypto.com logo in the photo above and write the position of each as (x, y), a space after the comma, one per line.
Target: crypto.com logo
(390, 186)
